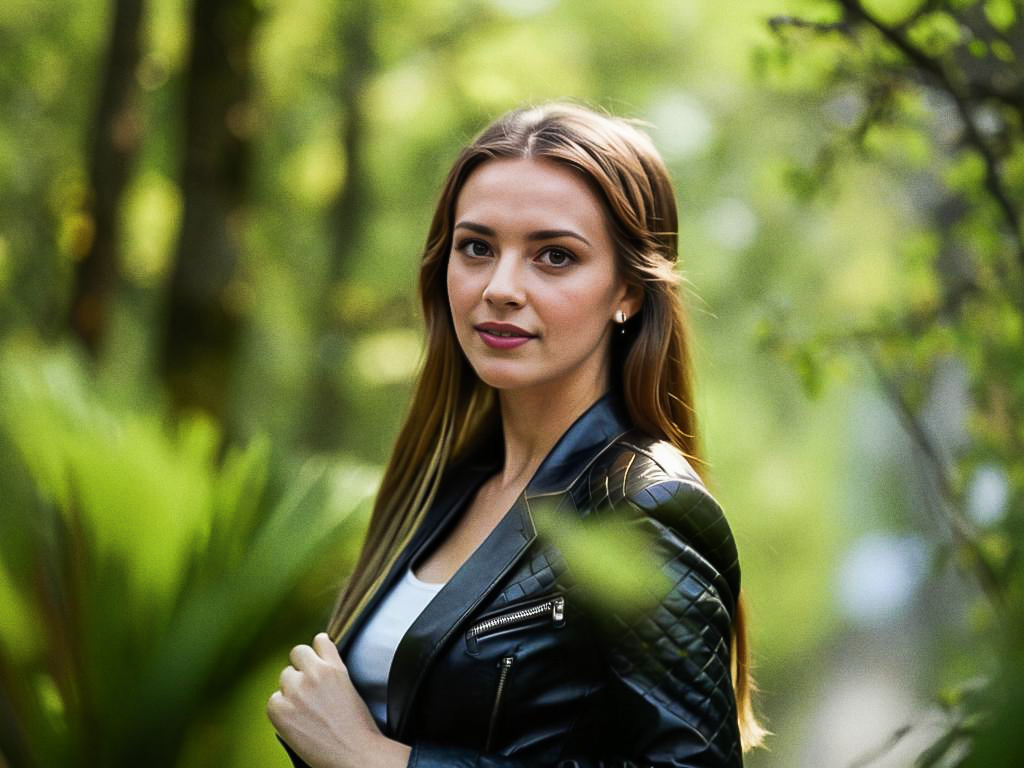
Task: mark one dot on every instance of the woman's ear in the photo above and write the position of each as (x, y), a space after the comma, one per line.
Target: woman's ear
(632, 299)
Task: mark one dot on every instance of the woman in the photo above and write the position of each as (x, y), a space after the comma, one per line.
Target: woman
(556, 378)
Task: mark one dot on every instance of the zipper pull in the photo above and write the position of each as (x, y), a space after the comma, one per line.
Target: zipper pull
(558, 611)
(504, 665)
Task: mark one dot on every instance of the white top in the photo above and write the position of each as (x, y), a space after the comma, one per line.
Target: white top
(373, 649)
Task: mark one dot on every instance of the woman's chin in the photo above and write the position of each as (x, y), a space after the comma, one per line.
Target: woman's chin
(506, 378)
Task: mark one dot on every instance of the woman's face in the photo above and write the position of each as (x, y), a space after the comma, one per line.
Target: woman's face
(532, 279)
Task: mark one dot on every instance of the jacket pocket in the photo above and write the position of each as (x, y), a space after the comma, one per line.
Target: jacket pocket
(552, 610)
(504, 667)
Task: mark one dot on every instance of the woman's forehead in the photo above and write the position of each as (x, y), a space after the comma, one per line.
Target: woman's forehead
(529, 192)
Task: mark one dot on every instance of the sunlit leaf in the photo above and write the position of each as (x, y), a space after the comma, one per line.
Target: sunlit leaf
(151, 217)
(1000, 13)
(20, 633)
(893, 12)
(936, 32)
(612, 558)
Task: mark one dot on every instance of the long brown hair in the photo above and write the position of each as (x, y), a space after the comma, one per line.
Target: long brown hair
(451, 407)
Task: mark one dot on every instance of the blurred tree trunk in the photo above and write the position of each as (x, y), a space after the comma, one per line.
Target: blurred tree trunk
(117, 133)
(347, 216)
(202, 321)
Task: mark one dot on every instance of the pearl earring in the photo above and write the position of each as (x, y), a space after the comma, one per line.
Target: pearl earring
(620, 318)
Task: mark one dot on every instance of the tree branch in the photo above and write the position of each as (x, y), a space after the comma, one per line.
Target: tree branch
(877, 753)
(778, 23)
(961, 530)
(938, 72)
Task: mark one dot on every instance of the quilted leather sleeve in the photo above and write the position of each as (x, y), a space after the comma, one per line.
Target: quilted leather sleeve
(670, 699)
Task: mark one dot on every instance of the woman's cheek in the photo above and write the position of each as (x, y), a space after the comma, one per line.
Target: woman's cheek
(574, 311)
(463, 294)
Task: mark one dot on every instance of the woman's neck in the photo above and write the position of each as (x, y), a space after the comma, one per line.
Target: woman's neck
(532, 422)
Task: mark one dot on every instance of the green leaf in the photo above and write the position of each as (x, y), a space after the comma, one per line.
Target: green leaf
(892, 11)
(936, 33)
(612, 557)
(966, 172)
(1003, 51)
(20, 633)
(808, 367)
(1000, 13)
(939, 749)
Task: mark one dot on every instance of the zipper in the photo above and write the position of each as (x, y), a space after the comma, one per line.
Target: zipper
(505, 665)
(554, 607)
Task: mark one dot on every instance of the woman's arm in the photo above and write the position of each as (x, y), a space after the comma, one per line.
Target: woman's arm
(670, 700)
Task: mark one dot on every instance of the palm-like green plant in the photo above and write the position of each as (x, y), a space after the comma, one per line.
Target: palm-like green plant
(142, 575)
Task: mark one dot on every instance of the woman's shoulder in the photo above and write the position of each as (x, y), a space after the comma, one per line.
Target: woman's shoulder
(654, 478)
(650, 472)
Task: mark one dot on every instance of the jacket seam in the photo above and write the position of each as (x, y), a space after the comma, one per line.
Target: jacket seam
(697, 485)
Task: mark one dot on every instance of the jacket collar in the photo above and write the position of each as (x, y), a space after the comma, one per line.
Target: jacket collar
(597, 428)
(593, 431)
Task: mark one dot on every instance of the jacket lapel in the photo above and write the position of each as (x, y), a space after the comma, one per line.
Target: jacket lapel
(482, 573)
(449, 609)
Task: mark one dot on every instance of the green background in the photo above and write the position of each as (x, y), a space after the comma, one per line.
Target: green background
(180, 499)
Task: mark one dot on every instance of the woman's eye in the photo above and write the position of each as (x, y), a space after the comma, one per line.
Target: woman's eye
(556, 257)
(476, 248)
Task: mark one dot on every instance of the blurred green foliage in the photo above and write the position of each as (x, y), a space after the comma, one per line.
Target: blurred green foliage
(850, 181)
(934, 94)
(140, 572)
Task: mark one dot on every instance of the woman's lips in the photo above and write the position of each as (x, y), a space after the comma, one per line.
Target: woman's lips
(501, 336)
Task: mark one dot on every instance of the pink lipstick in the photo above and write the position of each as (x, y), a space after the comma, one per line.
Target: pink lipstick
(503, 335)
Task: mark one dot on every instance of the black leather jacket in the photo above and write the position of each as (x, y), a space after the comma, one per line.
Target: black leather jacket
(508, 666)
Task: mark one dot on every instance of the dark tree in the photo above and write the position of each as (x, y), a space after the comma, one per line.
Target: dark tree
(202, 325)
(117, 134)
(347, 214)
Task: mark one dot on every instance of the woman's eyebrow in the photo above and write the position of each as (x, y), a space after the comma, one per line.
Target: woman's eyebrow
(478, 228)
(540, 234)
(551, 234)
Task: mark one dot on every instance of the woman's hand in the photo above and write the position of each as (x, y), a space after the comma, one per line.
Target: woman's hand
(322, 717)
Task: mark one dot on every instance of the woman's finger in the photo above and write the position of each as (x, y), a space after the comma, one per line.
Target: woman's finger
(326, 649)
(289, 681)
(277, 704)
(303, 657)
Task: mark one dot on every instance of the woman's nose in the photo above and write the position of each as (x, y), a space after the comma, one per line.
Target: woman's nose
(506, 284)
